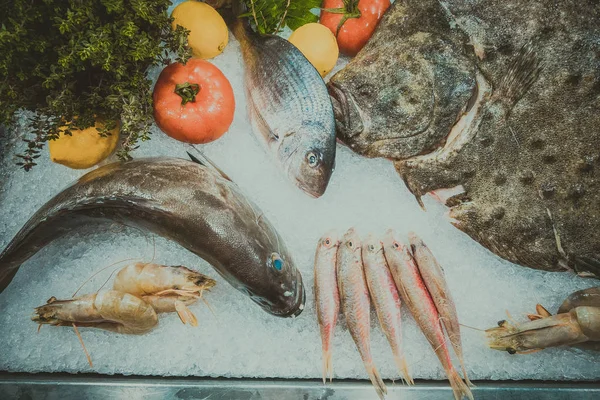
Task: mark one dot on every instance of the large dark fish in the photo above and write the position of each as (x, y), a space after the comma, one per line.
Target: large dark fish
(499, 100)
(289, 108)
(187, 202)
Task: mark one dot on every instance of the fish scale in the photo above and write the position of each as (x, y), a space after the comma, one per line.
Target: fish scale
(289, 106)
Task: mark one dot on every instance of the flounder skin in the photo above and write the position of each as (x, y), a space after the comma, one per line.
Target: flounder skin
(523, 147)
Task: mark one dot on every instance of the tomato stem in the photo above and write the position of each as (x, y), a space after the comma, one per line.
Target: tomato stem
(350, 10)
(187, 91)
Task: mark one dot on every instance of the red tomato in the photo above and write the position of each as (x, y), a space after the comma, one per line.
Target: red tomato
(194, 102)
(362, 19)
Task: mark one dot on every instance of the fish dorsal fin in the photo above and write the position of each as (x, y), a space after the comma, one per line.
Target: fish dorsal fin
(205, 161)
(521, 75)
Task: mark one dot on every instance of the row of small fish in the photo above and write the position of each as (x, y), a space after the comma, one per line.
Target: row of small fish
(351, 274)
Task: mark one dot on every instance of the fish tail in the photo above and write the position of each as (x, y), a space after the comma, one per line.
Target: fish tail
(376, 380)
(327, 365)
(464, 369)
(403, 369)
(459, 388)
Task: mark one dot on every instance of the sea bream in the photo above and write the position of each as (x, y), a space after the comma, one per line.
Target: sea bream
(498, 101)
(289, 108)
(188, 202)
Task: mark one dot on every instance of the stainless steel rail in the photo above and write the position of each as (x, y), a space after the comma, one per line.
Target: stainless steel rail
(66, 387)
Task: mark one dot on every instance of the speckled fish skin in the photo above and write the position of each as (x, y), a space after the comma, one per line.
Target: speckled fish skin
(327, 297)
(386, 300)
(354, 295)
(414, 293)
(184, 201)
(520, 80)
(432, 274)
(289, 107)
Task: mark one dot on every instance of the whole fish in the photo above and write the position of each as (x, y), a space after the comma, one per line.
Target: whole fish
(184, 201)
(413, 291)
(384, 295)
(435, 281)
(356, 305)
(289, 108)
(327, 296)
(498, 100)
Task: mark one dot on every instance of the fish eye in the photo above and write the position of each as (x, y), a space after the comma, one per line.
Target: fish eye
(312, 158)
(327, 241)
(396, 245)
(276, 261)
(371, 247)
(350, 244)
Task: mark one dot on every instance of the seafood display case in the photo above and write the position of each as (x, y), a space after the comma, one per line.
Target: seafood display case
(332, 199)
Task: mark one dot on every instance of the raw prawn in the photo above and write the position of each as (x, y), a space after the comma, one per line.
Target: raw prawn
(577, 323)
(110, 310)
(165, 288)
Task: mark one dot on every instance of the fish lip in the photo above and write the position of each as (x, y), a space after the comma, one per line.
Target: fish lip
(315, 194)
(299, 305)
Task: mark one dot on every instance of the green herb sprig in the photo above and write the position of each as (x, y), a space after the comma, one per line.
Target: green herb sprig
(75, 62)
(270, 16)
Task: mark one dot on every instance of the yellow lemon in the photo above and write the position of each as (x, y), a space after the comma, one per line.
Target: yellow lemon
(84, 148)
(318, 45)
(208, 31)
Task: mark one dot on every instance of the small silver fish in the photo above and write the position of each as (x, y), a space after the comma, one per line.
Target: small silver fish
(327, 296)
(414, 293)
(384, 295)
(354, 295)
(289, 107)
(433, 276)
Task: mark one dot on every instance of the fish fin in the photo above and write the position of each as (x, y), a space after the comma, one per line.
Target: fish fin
(587, 266)
(459, 388)
(541, 310)
(376, 380)
(185, 314)
(403, 369)
(327, 366)
(520, 76)
(259, 121)
(205, 161)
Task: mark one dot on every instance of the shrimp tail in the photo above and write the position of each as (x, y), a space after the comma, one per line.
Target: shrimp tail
(376, 380)
(403, 369)
(185, 314)
(459, 388)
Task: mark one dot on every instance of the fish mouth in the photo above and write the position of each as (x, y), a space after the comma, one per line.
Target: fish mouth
(299, 301)
(314, 192)
(341, 102)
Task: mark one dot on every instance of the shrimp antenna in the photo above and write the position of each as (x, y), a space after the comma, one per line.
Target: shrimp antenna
(471, 327)
(100, 270)
(83, 345)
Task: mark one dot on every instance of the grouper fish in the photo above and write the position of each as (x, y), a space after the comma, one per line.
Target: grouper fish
(188, 202)
(289, 108)
(497, 103)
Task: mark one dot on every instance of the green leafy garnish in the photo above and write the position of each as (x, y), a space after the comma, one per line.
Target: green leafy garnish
(270, 16)
(78, 61)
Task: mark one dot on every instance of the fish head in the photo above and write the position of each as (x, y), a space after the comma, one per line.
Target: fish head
(309, 156)
(351, 241)
(278, 289)
(400, 96)
(394, 248)
(329, 242)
